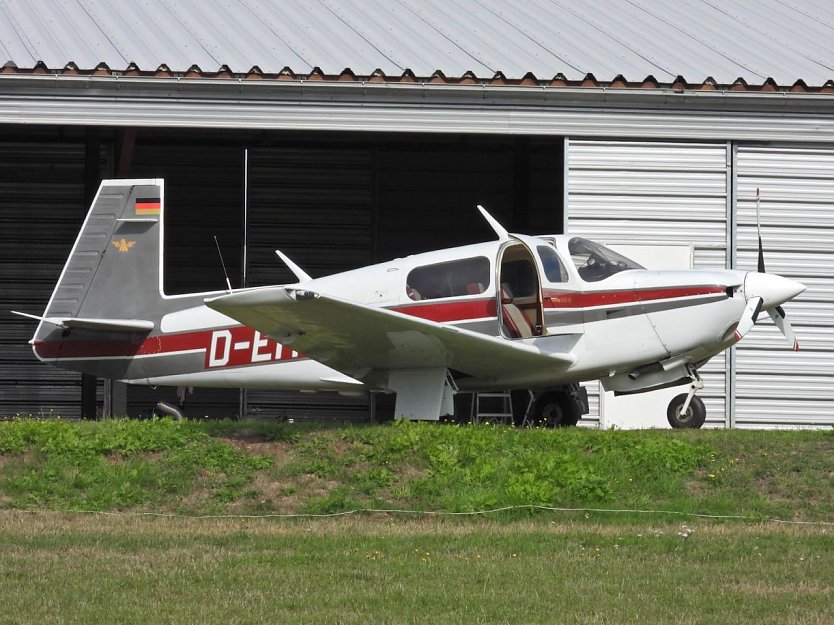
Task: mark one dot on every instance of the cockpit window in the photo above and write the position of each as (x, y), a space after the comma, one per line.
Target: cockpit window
(596, 262)
(469, 276)
(554, 270)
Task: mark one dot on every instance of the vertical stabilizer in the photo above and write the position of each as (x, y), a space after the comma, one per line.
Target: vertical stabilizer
(108, 297)
(113, 269)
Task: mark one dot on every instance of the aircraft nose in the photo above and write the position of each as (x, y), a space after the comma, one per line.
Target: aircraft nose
(773, 289)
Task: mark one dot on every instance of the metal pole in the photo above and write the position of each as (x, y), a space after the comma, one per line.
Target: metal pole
(731, 261)
(243, 406)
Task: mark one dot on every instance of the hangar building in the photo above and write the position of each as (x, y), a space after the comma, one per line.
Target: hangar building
(349, 132)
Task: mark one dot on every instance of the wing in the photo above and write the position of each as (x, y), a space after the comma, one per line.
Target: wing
(356, 339)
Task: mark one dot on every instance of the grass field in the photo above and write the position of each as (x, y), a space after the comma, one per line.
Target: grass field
(60, 568)
(72, 549)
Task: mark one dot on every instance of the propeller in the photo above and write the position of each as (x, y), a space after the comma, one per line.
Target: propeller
(748, 317)
(761, 265)
(774, 289)
(778, 316)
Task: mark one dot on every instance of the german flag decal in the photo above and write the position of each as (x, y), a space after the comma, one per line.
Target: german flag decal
(147, 206)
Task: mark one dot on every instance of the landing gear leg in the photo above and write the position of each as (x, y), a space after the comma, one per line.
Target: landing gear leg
(686, 410)
(696, 385)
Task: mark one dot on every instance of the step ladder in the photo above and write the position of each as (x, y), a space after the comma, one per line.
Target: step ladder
(491, 407)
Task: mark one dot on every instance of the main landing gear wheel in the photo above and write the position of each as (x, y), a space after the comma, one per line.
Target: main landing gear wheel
(694, 416)
(557, 410)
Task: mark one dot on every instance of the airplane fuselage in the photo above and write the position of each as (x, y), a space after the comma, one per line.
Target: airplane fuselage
(614, 325)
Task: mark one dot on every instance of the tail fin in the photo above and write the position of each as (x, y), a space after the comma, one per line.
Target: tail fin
(109, 292)
(114, 265)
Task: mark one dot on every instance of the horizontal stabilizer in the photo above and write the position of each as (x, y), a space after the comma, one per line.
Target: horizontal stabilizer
(99, 325)
(110, 325)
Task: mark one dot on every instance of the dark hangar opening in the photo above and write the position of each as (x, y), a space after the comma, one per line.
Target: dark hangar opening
(332, 201)
(338, 201)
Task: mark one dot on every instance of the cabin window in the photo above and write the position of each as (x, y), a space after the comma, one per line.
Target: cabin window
(469, 276)
(554, 270)
(595, 262)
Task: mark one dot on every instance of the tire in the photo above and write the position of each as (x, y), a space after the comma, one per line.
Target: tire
(694, 417)
(557, 410)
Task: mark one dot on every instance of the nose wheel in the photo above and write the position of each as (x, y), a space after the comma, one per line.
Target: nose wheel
(686, 410)
(693, 417)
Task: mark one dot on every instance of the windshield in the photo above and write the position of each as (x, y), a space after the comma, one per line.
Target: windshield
(595, 262)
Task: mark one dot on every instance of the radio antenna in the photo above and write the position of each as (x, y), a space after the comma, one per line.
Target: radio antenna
(225, 273)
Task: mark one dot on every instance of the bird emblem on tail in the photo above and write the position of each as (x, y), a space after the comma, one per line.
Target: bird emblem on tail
(124, 245)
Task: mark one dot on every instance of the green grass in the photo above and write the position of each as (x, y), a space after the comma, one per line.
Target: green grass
(119, 464)
(89, 569)
(59, 562)
(473, 468)
(263, 467)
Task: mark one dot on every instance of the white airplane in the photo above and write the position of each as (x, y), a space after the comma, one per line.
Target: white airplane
(541, 313)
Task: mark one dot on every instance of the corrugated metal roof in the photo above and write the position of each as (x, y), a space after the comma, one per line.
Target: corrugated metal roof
(725, 41)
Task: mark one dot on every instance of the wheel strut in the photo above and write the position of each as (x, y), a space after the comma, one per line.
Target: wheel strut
(696, 385)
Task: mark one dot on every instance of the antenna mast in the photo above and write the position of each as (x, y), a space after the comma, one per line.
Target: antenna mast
(225, 273)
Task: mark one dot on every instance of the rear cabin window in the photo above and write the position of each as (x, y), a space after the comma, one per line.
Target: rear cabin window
(456, 278)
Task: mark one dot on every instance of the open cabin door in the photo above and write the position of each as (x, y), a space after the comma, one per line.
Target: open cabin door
(519, 291)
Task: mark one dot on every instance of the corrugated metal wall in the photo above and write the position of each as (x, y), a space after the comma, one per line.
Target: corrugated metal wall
(632, 192)
(774, 385)
(643, 192)
(41, 210)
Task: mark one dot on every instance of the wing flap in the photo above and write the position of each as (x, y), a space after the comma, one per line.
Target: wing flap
(355, 339)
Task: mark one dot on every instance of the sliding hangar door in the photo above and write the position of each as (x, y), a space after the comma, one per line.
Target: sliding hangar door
(775, 386)
(41, 198)
(623, 192)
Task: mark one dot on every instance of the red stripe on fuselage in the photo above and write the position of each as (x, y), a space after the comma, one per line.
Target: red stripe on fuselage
(235, 346)
(164, 343)
(556, 299)
(450, 311)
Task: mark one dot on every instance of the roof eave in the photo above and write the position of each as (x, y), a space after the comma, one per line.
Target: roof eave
(415, 107)
(127, 87)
